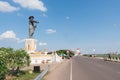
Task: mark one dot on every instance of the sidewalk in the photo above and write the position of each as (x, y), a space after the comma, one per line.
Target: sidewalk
(56, 69)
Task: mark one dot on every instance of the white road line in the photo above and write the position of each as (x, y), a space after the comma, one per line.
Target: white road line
(71, 70)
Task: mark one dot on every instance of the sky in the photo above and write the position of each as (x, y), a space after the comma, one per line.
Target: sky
(91, 25)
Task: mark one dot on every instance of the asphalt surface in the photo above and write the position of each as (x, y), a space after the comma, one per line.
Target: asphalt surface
(61, 71)
(84, 68)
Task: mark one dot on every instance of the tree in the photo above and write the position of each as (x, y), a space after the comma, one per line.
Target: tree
(22, 59)
(11, 61)
(65, 53)
(3, 66)
(10, 55)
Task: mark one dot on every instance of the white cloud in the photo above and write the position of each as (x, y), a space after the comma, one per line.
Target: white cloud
(44, 15)
(6, 7)
(67, 17)
(49, 31)
(19, 14)
(42, 44)
(10, 35)
(21, 41)
(116, 25)
(32, 4)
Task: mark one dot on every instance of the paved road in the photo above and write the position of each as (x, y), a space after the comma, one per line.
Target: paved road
(94, 69)
(60, 72)
(84, 68)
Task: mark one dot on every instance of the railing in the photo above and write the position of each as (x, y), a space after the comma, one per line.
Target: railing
(40, 76)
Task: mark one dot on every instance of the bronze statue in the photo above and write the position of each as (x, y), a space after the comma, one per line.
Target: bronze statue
(32, 26)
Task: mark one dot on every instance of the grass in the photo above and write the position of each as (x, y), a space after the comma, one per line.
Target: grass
(25, 76)
(45, 75)
(105, 56)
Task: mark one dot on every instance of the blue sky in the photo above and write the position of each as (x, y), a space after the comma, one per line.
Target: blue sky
(64, 24)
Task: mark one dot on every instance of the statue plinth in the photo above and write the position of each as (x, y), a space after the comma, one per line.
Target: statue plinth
(30, 45)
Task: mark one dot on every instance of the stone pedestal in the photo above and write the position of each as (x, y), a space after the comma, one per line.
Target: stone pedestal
(30, 45)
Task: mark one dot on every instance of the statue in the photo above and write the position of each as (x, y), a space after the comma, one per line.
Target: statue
(32, 26)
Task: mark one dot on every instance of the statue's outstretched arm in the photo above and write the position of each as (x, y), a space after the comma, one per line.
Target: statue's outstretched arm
(35, 21)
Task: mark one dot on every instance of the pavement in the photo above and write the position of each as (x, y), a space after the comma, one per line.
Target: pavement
(58, 70)
(84, 68)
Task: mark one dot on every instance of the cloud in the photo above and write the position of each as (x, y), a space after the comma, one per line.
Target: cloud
(67, 17)
(6, 7)
(19, 14)
(49, 31)
(10, 35)
(44, 15)
(32, 4)
(21, 40)
(116, 25)
(42, 44)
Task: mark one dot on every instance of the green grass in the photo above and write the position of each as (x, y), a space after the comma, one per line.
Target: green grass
(26, 76)
(102, 55)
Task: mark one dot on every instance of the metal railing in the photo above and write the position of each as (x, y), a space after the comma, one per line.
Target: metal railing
(40, 76)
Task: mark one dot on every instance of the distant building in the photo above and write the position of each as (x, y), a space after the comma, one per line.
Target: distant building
(77, 51)
(45, 51)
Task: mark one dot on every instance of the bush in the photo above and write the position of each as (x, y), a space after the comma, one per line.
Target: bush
(11, 61)
(65, 53)
(3, 65)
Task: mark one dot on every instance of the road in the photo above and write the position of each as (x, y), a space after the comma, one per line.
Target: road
(95, 69)
(84, 68)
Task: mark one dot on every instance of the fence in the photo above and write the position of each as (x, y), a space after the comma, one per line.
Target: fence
(40, 76)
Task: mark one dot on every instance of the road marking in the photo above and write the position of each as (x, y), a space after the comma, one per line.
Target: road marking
(71, 70)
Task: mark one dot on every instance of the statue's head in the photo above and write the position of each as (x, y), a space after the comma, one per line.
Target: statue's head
(31, 17)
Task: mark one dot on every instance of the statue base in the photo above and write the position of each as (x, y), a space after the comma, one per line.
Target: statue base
(30, 45)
